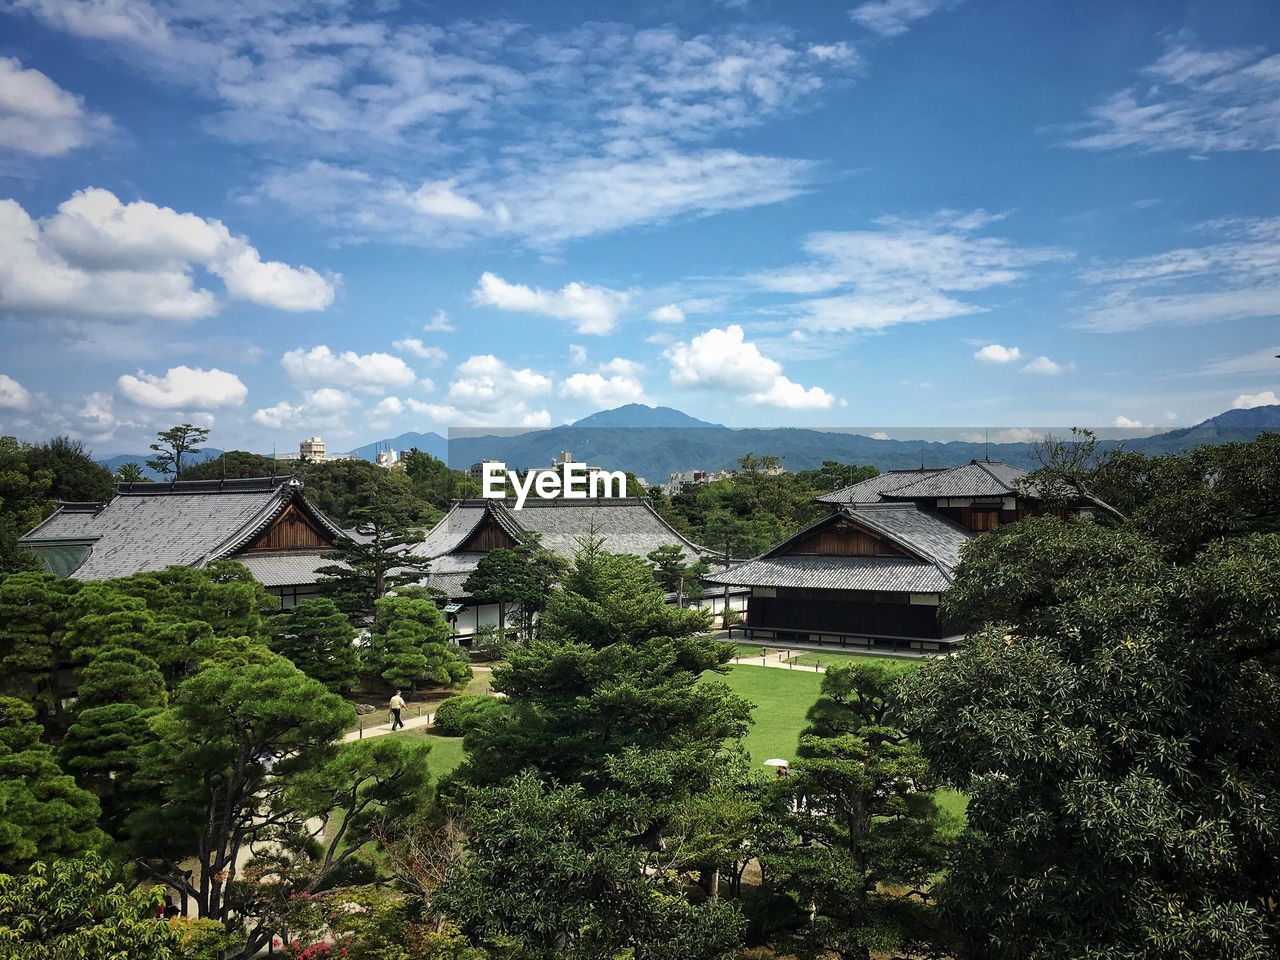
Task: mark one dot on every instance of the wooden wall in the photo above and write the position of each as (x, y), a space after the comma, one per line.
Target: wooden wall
(844, 539)
(292, 530)
(489, 536)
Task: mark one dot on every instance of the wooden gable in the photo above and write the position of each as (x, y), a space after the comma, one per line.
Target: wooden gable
(843, 538)
(292, 530)
(488, 535)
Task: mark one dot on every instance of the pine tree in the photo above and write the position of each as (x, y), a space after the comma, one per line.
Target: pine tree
(317, 637)
(43, 814)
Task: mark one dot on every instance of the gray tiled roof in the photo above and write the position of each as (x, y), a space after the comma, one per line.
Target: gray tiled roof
(286, 569)
(896, 574)
(919, 531)
(980, 478)
(933, 541)
(152, 526)
(627, 525)
(870, 490)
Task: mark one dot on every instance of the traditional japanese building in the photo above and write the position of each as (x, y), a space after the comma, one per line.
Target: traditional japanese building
(268, 525)
(871, 574)
(472, 528)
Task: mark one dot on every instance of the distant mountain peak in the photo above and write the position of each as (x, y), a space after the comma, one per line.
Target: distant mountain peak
(641, 415)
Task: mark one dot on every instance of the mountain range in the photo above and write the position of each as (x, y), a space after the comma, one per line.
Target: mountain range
(653, 442)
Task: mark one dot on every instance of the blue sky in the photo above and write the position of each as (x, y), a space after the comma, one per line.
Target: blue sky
(289, 218)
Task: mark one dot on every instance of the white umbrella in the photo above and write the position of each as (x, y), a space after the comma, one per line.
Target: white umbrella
(777, 762)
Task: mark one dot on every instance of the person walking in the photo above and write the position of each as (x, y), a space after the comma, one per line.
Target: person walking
(397, 704)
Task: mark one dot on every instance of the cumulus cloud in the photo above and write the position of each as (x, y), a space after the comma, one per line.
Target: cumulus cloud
(723, 359)
(97, 257)
(1247, 401)
(905, 271)
(13, 395)
(1050, 368)
(593, 310)
(996, 353)
(439, 323)
(387, 407)
(184, 388)
(891, 18)
(372, 372)
(327, 406)
(488, 392)
(417, 348)
(1195, 101)
(600, 391)
(38, 117)
(1126, 423)
(669, 313)
(612, 384)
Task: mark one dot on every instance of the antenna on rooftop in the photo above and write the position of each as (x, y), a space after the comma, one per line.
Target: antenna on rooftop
(986, 445)
(922, 453)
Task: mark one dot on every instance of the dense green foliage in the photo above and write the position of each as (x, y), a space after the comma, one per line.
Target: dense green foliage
(456, 715)
(33, 478)
(372, 561)
(874, 836)
(80, 910)
(518, 580)
(1113, 719)
(319, 640)
(43, 813)
(756, 506)
(410, 647)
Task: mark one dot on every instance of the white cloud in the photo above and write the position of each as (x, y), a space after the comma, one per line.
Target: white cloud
(879, 435)
(371, 372)
(723, 359)
(622, 367)
(602, 392)
(891, 18)
(1247, 401)
(439, 199)
(419, 349)
(906, 271)
(97, 257)
(13, 395)
(325, 407)
(439, 323)
(570, 199)
(184, 387)
(1043, 365)
(1266, 360)
(1126, 423)
(388, 407)
(594, 310)
(996, 353)
(577, 354)
(1194, 101)
(669, 313)
(98, 412)
(488, 392)
(613, 383)
(38, 117)
(1235, 278)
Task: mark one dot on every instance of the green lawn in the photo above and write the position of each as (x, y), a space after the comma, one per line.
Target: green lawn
(446, 752)
(781, 700)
